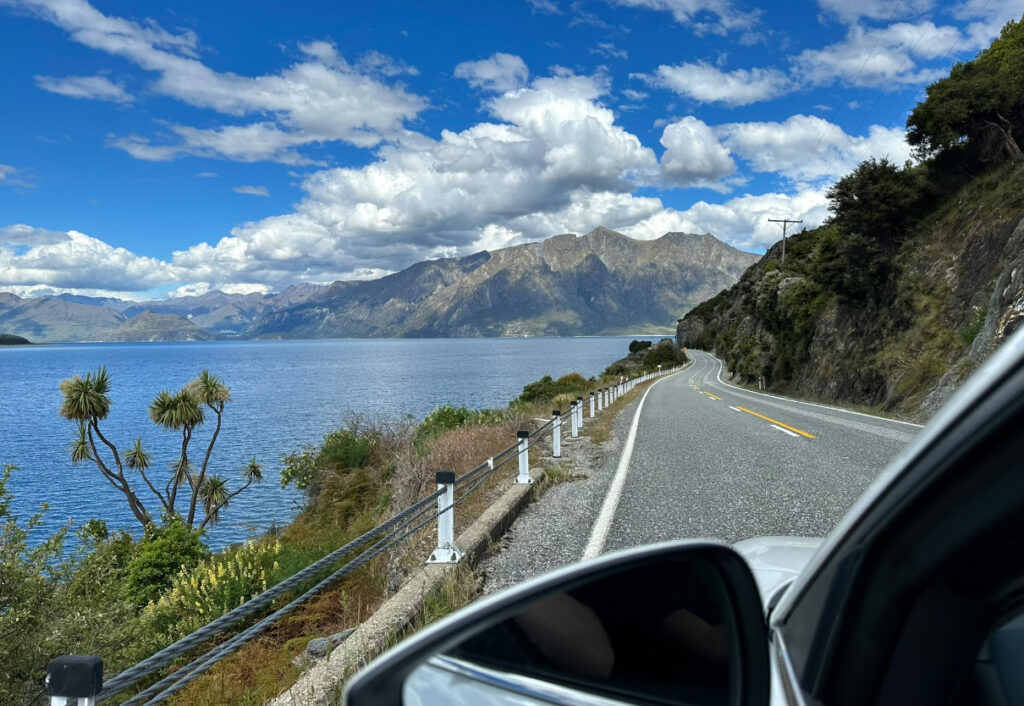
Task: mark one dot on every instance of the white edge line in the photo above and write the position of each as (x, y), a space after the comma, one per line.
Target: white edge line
(611, 501)
(809, 404)
(784, 431)
(735, 409)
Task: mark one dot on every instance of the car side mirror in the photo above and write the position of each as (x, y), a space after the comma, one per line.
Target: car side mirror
(679, 622)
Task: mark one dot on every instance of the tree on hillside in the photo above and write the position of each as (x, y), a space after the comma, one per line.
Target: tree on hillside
(877, 200)
(87, 402)
(980, 104)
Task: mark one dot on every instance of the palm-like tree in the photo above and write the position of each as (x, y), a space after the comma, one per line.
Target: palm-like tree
(209, 390)
(215, 496)
(179, 411)
(86, 401)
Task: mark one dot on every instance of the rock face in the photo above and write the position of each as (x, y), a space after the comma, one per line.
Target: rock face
(952, 292)
(602, 282)
(149, 327)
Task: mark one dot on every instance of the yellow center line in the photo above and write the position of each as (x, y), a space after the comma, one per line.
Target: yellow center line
(801, 432)
(714, 397)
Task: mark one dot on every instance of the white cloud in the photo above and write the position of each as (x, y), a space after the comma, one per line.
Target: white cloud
(12, 176)
(714, 16)
(888, 56)
(705, 83)
(31, 257)
(609, 50)
(545, 6)
(251, 190)
(552, 161)
(808, 148)
(500, 73)
(693, 155)
(850, 12)
(742, 221)
(94, 87)
(632, 95)
(320, 98)
(207, 175)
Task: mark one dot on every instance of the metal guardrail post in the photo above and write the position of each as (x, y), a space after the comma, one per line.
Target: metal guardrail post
(600, 400)
(579, 415)
(524, 457)
(446, 552)
(556, 434)
(591, 405)
(77, 677)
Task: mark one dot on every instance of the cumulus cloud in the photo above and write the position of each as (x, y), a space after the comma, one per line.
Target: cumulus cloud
(693, 154)
(705, 83)
(808, 148)
(888, 56)
(704, 16)
(500, 73)
(94, 87)
(30, 257)
(251, 190)
(742, 221)
(319, 98)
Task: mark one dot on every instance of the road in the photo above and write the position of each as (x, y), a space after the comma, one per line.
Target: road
(714, 460)
(708, 460)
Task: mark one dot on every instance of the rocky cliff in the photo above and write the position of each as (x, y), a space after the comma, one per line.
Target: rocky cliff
(602, 282)
(898, 329)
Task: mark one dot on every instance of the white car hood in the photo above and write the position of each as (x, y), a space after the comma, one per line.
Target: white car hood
(775, 561)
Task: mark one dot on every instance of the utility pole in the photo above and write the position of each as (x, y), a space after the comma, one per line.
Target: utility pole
(785, 222)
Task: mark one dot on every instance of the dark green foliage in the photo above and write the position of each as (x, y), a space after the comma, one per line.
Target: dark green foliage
(665, 354)
(8, 339)
(637, 346)
(345, 449)
(979, 107)
(162, 552)
(445, 418)
(878, 201)
(547, 389)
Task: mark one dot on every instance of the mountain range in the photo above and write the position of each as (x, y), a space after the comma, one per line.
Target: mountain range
(599, 283)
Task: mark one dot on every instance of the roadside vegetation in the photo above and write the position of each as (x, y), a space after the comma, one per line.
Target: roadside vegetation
(888, 299)
(106, 593)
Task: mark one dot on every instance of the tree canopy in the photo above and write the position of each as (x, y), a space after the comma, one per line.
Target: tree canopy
(980, 104)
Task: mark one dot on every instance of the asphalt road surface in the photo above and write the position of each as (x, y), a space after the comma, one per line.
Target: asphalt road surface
(713, 460)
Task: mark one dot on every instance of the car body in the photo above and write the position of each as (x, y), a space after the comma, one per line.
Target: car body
(917, 596)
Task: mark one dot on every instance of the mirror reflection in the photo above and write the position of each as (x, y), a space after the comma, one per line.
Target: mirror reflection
(659, 632)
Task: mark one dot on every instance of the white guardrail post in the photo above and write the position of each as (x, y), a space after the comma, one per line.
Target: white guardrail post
(579, 416)
(591, 405)
(524, 457)
(556, 433)
(446, 552)
(600, 399)
(74, 677)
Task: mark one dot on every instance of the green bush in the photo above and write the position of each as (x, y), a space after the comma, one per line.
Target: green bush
(346, 449)
(666, 354)
(162, 553)
(547, 389)
(637, 346)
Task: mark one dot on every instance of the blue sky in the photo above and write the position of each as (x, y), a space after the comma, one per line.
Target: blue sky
(153, 149)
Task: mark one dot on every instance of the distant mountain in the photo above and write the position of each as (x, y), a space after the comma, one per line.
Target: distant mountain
(599, 283)
(149, 326)
(7, 339)
(71, 317)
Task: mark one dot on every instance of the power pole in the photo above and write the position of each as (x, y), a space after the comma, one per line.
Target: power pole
(785, 222)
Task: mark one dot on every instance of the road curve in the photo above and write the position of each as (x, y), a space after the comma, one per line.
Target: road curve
(714, 460)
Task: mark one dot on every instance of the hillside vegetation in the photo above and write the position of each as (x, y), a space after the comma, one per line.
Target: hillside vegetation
(919, 274)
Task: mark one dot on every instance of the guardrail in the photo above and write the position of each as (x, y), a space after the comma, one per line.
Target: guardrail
(81, 677)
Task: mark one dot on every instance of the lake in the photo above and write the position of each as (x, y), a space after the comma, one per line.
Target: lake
(284, 394)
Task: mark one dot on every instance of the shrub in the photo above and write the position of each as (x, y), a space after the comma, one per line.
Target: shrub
(665, 354)
(547, 389)
(162, 552)
(446, 418)
(214, 586)
(637, 346)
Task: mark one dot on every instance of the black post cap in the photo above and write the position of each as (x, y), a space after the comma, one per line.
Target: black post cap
(74, 675)
(445, 477)
(556, 413)
(523, 434)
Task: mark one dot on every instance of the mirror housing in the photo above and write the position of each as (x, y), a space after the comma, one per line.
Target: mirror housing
(381, 683)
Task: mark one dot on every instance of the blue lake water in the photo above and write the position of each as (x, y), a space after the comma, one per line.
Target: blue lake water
(284, 394)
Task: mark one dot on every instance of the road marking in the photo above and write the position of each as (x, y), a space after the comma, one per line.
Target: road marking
(801, 432)
(611, 501)
(735, 409)
(784, 431)
(721, 365)
(714, 397)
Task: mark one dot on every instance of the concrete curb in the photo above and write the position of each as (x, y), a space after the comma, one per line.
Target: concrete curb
(321, 683)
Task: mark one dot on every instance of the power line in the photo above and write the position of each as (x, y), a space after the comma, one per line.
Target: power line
(785, 223)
